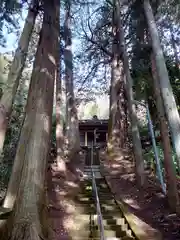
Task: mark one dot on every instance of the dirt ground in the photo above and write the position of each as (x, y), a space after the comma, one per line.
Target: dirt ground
(62, 186)
(149, 204)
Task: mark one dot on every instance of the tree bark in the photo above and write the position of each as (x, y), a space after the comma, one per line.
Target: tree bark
(29, 220)
(165, 86)
(139, 161)
(117, 121)
(59, 116)
(172, 190)
(72, 126)
(15, 71)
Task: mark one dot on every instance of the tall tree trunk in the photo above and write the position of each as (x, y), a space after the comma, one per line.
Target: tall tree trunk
(15, 71)
(117, 121)
(72, 126)
(59, 117)
(29, 218)
(172, 190)
(165, 86)
(139, 161)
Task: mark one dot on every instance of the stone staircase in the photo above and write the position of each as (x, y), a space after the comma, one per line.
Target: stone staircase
(115, 225)
(118, 222)
(88, 172)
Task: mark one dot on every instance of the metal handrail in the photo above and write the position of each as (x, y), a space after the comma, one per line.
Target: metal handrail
(98, 208)
(150, 126)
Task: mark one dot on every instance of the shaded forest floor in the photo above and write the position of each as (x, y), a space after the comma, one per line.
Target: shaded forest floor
(149, 204)
(64, 212)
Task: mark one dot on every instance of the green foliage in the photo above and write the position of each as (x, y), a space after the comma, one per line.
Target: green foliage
(5, 173)
(13, 133)
(17, 116)
(143, 130)
(149, 157)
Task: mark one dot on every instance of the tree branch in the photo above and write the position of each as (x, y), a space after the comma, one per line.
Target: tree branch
(93, 69)
(90, 39)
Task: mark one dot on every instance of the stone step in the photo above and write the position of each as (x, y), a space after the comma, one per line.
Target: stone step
(110, 204)
(104, 194)
(90, 169)
(121, 230)
(114, 214)
(106, 201)
(95, 238)
(119, 221)
(105, 197)
(90, 174)
(105, 208)
(113, 221)
(98, 238)
(103, 191)
(105, 211)
(110, 233)
(93, 166)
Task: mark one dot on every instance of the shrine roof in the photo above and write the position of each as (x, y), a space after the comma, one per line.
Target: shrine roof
(93, 123)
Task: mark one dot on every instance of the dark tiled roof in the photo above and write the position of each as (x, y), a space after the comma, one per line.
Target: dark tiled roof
(93, 122)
